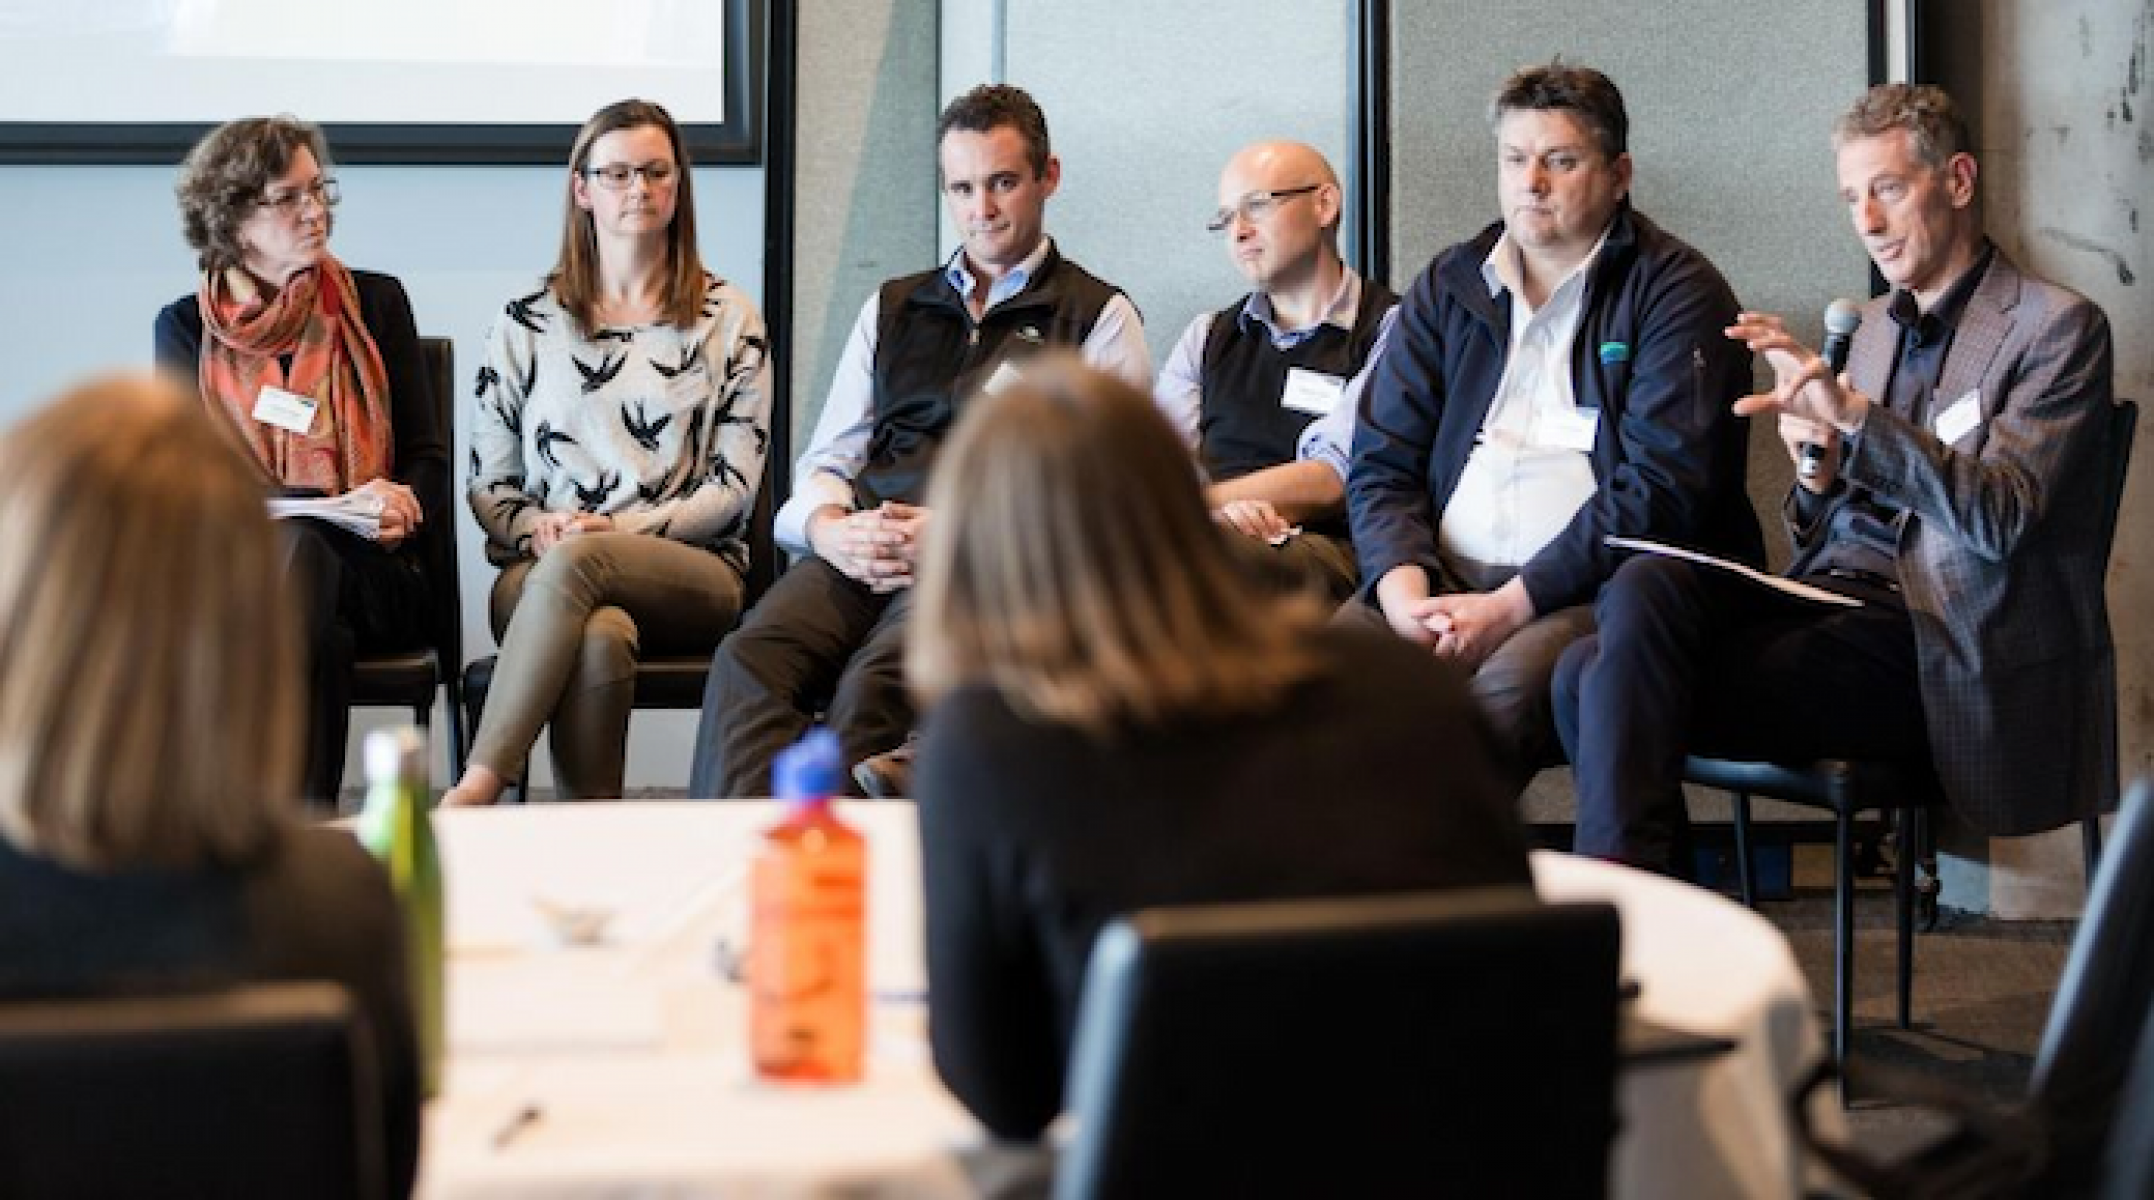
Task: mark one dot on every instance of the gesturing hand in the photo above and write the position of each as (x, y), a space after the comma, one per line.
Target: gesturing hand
(1803, 384)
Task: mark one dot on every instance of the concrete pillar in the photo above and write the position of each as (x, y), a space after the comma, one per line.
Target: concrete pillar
(2057, 91)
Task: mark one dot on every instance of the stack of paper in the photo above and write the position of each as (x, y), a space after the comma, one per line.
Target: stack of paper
(355, 511)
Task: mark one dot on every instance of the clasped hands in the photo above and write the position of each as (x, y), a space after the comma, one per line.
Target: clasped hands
(1466, 627)
(877, 546)
(553, 528)
(1812, 406)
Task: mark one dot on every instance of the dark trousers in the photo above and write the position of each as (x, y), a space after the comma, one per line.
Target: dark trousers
(355, 598)
(1693, 660)
(817, 642)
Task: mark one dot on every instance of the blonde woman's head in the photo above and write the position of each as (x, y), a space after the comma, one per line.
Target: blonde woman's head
(1072, 566)
(149, 695)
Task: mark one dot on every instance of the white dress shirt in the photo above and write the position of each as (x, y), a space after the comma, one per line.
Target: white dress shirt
(1532, 468)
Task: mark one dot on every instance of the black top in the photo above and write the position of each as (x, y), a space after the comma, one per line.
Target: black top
(422, 447)
(316, 908)
(1375, 775)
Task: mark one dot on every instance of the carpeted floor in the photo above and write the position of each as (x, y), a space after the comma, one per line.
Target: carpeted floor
(1982, 990)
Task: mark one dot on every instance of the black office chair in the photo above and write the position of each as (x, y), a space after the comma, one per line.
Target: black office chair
(662, 681)
(409, 679)
(1849, 788)
(2128, 1161)
(1456, 1044)
(2051, 1143)
(265, 1091)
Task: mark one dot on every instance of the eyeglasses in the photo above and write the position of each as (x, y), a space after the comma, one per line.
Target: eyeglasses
(615, 177)
(1256, 206)
(287, 203)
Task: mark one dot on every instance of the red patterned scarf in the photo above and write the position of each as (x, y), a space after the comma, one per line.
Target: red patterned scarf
(315, 321)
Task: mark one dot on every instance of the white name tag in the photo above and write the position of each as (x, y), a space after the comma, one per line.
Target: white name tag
(1574, 430)
(1005, 375)
(1311, 391)
(1960, 419)
(286, 410)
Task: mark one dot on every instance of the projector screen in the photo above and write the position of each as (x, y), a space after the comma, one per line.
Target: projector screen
(472, 81)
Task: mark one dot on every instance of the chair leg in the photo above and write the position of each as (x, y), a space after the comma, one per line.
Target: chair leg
(459, 744)
(1903, 903)
(1843, 935)
(1746, 869)
(2090, 836)
(422, 719)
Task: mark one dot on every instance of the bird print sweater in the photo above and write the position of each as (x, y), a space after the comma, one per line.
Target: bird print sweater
(660, 427)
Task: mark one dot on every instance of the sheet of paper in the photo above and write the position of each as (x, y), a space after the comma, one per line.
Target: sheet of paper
(1799, 590)
(350, 511)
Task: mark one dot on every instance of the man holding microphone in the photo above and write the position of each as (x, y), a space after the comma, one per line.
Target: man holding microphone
(1958, 496)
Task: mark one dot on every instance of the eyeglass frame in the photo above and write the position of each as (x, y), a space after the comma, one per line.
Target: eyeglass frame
(324, 191)
(655, 174)
(1256, 206)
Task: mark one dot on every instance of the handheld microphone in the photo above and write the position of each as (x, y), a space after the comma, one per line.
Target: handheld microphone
(1842, 319)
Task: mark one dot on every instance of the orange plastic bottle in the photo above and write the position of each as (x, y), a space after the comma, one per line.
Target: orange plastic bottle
(807, 945)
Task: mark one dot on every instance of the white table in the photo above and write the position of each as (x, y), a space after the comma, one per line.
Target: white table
(1717, 1126)
(633, 1052)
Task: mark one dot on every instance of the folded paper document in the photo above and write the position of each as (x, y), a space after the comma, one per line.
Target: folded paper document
(360, 513)
(1801, 591)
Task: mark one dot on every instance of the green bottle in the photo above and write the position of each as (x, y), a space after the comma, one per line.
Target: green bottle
(396, 828)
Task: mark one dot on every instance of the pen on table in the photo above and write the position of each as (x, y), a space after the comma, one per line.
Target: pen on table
(523, 1118)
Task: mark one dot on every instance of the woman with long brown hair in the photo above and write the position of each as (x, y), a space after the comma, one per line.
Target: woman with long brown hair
(618, 440)
(150, 736)
(1121, 715)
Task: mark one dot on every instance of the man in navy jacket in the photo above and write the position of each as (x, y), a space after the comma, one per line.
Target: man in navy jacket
(1559, 378)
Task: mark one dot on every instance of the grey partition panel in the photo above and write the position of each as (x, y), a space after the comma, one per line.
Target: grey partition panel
(864, 181)
(1146, 102)
(1731, 109)
(1731, 106)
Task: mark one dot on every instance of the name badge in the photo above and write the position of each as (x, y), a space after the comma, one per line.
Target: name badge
(1574, 430)
(1311, 391)
(1959, 419)
(1005, 375)
(288, 411)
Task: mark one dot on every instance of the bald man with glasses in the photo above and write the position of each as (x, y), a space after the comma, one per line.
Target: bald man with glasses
(1272, 379)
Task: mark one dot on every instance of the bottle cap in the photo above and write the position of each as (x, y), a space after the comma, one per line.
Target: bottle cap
(394, 755)
(808, 769)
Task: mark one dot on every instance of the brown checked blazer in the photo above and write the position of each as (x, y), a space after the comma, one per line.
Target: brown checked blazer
(2002, 553)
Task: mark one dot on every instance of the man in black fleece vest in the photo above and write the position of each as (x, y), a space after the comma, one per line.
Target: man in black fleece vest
(829, 636)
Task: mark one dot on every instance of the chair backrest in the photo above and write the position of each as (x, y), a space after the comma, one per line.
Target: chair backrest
(1453, 1044)
(2123, 429)
(2107, 988)
(2127, 1165)
(261, 1091)
(447, 625)
(763, 564)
